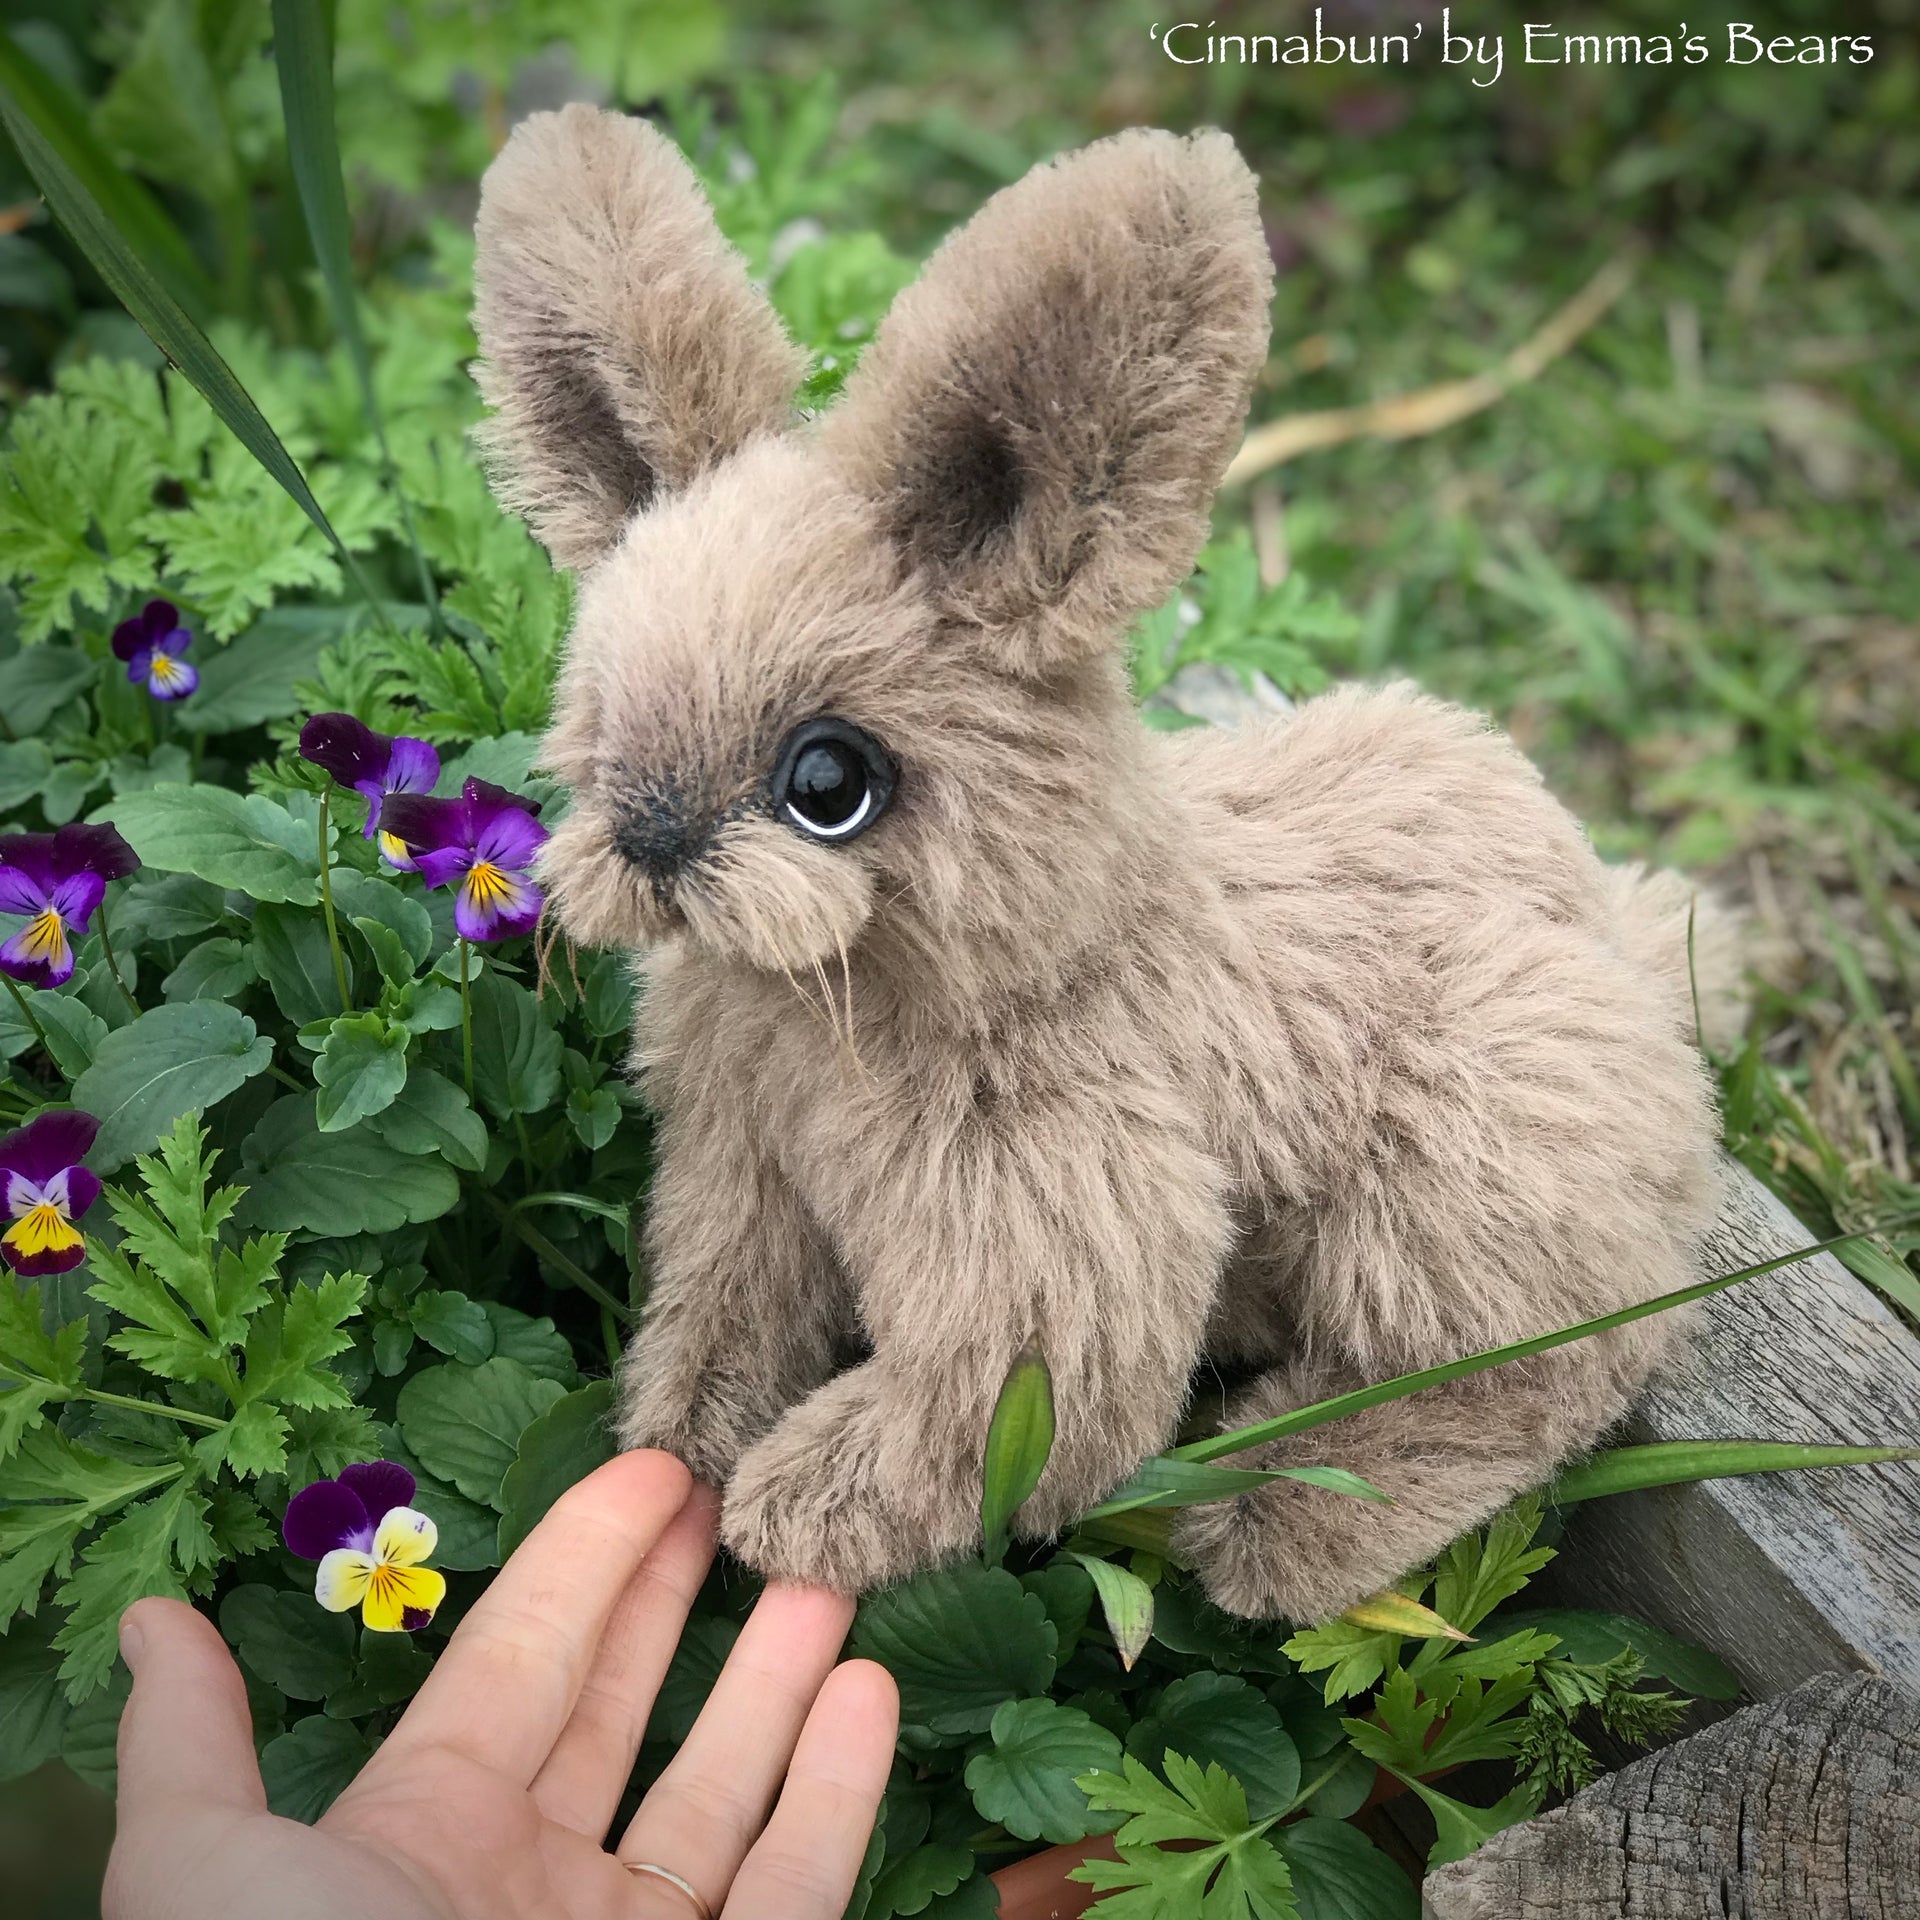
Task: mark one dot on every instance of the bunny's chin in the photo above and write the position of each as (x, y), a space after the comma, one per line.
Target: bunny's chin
(756, 894)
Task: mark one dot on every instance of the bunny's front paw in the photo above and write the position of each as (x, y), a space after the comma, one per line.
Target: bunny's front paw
(696, 1419)
(840, 1494)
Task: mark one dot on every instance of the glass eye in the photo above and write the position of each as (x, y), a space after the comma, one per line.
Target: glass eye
(832, 781)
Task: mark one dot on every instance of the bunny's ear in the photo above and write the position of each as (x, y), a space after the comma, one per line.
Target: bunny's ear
(623, 347)
(1043, 417)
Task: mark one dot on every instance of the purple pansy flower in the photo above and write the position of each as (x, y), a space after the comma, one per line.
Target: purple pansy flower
(375, 764)
(57, 879)
(151, 644)
(371, 1546)
(46, 1189)
(486, 840)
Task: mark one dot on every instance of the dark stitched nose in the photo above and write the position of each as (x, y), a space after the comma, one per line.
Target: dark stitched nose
(650, 832)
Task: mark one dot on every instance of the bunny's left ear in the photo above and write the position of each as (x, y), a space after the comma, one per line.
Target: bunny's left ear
(1044, 416)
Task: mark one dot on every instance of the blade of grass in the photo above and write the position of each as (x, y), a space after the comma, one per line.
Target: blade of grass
(1019, 1441)
(303, 58)
(1301, 1419)
(62, 126)
(1163, 1482)
(140, 290)
(1669, 1463)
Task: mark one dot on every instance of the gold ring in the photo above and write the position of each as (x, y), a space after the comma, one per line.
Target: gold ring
(673, 1880)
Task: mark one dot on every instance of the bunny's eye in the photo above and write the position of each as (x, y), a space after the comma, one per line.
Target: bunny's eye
(832, 781)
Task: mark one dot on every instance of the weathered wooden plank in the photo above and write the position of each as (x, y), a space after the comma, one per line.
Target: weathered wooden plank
(1783, 1575)
(1804, 1808)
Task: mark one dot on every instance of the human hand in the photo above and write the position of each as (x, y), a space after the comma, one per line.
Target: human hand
(491, 1797)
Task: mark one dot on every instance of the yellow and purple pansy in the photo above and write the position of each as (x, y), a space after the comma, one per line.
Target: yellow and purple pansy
(374, 764)
(486, 840)
(371, 1546)
(45, 1190)
(151, 644)
(57, 880)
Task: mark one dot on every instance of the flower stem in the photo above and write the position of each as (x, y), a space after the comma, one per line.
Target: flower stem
(538, 1244)
(466, 1015)
(32, 1019)
(101, 1398)
(113, 966)
(610, 1336)
(326, 903)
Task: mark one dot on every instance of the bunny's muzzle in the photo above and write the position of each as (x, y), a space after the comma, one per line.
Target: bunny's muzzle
(652, 832)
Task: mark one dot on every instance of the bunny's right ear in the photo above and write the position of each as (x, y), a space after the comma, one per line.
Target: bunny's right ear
(623, 347)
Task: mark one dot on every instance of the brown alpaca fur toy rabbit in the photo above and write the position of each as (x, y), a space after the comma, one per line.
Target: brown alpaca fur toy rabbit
(975, 1014)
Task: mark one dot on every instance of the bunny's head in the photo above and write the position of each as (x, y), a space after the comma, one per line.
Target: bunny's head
(858, 679)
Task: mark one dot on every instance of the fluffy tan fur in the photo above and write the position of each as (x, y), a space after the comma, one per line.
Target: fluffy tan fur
(1327, 1049)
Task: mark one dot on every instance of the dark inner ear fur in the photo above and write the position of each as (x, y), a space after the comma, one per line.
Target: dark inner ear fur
(958, 492)
(584, 431)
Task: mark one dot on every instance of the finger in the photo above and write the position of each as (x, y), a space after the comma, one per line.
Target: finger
(186, 1732)
(585, 1774)
(707, 1809)
(503, 1689)
(804, 1866)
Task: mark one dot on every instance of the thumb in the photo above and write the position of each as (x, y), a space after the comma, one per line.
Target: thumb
(186, 1732)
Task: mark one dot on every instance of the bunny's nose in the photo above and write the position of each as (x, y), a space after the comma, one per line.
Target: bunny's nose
(650, 832)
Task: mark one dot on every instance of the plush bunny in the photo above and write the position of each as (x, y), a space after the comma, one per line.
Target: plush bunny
(976, 1015)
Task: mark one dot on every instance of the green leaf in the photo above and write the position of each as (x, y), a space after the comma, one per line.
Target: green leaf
(1186, 1621)
(1462, 1829)
(1127, 1602)
(1668, 1463)
(173, 1060)
(37, 682)
(594, 1115)
(430, 1115)
(562, 1446)
(1339, 1874)
(310, 1765)
(608, 1002)
(1026, 1779)
(1479, 1570)
(469, 1531)
(361, 896)
(74, 1031)
(93, 1732)
(697, 1660)
(289, 1640)
(453, 1324)
(219, 969)
(465, 1423)
(1165, 1481)
(243, 841)
(1019, 1441)
(61, 123)
(291, 952)
(1302, 1419)
(1218, 1718)
(516, 1055)
(1352, 1657)
(148, 1550)
(911, 1883)
(33, 1709)
(1592, 1638)
(336, 1183)
(1066, 1591)
(361, 1071)
(959, 1642)
(256, 677)
(292, 1338)
(536, 1343)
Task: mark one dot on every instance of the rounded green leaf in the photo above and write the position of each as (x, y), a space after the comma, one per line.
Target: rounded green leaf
(564, 1445)
(431, 1115)
(360, 1071)
(911, 1883)
(959, 1642)
(33, 1705)
(218, 969)
(1025, 1780)
(1339, 1874)
(335, 1183)
(308, 1767)
(516, 1055)
(289, 1640)
(291, 952)
(1220, 1718)
(465, 1423)
(174, 1059)
(254, 678)
(244, 841)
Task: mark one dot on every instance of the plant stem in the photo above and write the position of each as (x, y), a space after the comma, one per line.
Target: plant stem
(104, 1399)
(543, 1248)
(610, 1336)
(113, 965)
(286, 1079)
(326, 903)
(466, 1018)
(27, 1013)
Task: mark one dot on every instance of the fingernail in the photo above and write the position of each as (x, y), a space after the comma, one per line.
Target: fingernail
(131, 1637)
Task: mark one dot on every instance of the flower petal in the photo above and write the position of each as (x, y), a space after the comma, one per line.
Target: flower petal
(504, 829)
(171, 679)
(347, 748)
(129, 638)
(324, 1518)
(28, 870)
(160, 617)
(48, 1145)
(414, 768)
(98, 849)
(403, 1599)
(61, 1258)
(83, 1189)
(426, 825)
(405, 1538)
(381, 1485)
(75, 898)
(438, 866)
(344, 1579)
(40, 953)
(496, 905)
